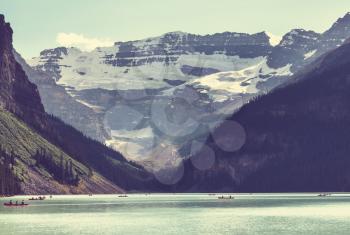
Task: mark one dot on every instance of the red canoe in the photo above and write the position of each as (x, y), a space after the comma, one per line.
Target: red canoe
(14, 204)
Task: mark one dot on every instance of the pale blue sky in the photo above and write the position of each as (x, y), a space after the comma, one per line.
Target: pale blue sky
(37, 23)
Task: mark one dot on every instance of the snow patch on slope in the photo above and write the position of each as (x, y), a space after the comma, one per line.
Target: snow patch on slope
(241, 81)
(309, 54)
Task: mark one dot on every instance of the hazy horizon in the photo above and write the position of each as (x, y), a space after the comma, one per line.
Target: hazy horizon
(40, 24)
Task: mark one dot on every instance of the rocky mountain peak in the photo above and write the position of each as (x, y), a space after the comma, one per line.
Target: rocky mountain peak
(6, 35)
(342, 21)
(341, 28)
(299, 37)
(335, 35)
(295, 47)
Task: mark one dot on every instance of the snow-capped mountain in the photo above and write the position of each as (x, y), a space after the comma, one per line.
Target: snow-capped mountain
(168, 90)
(158, 62)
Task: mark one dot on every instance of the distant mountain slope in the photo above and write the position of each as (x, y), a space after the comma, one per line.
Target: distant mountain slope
(296, 137)
(60, 153)
(59, 103)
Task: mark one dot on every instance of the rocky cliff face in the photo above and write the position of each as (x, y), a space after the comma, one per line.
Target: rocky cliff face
(170, 46)
(17, 94)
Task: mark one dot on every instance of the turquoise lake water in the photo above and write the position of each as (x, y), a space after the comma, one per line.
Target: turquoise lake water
(180, 214)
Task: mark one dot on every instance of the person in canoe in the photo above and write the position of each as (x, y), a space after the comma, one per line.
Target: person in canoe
(227, 197)
(11, 204)
(37, 198)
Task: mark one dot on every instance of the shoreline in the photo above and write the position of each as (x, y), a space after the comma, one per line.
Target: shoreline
(169, 194)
